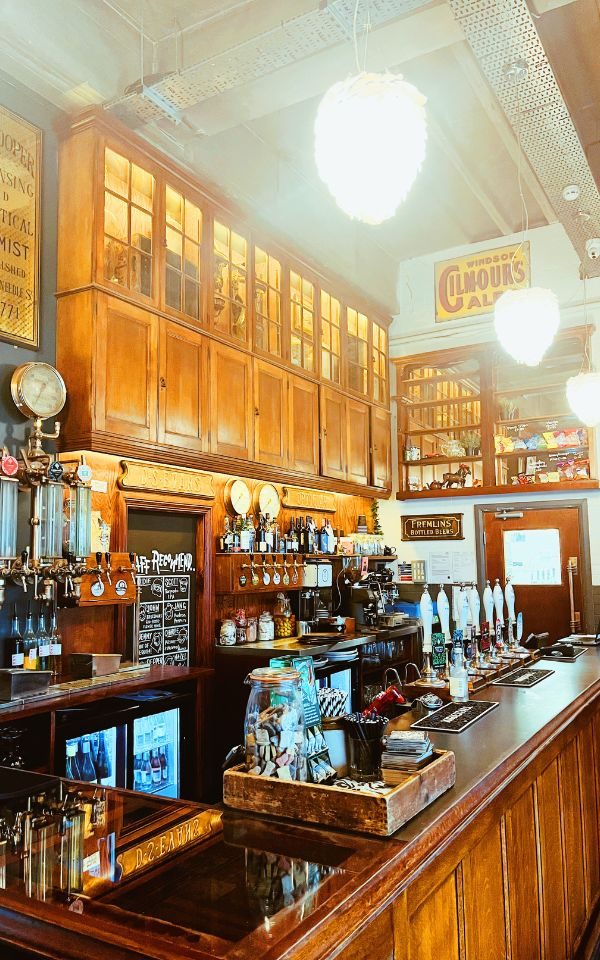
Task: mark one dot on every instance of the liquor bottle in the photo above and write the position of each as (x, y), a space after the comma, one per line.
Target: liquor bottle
(245, 538)
(72, 771)
(30, 643)
(459, 676)
(302, 536)
(269, 538)
(311, 545)
(103, 770)
(323, 538)
(237, 527)
(224, 539)
(15, 655)
(146, 771)
(251, 534)
(137, 772)
(278, 540)
(43, 642)
(156, 771)
(164, 764)
(294, 536)
(55, 659)
(87, 772)
(261, 536)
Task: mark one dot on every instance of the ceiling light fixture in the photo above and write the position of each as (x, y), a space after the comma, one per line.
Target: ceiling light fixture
(370, 138)
(583, 391)
(527, 319)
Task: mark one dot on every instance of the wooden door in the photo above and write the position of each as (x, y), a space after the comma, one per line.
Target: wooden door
(183, 387)
(270, 414)
(534, 548)
(127, 370)
(334, 434)
(359, 441)
(381, 448)
(231, 407)
(303, 425)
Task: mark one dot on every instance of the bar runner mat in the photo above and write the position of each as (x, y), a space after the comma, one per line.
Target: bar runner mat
(578, 653)
(455, 717)
(523, 678)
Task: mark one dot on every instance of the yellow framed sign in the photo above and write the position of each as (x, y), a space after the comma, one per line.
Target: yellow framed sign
(469, 286)
(20, 180)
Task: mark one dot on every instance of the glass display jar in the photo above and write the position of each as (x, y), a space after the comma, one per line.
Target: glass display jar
(274, 725)
(227, 634)
(266, 627)
(284, 620)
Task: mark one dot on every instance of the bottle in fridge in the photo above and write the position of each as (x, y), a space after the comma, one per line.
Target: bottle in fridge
(156, 753)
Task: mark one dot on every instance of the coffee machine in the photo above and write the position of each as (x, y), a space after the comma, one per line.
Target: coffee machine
(366, 603)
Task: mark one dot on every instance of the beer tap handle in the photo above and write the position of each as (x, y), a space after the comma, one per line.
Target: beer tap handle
(132, 562)
(108, 567)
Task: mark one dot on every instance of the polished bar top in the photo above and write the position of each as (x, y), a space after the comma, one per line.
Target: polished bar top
(338, 641)
(249, 887)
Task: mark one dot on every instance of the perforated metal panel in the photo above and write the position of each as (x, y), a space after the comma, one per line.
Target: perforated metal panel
(501, 32)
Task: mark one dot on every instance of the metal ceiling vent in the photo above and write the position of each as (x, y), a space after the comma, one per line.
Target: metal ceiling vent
(289, 42)
(502, 33)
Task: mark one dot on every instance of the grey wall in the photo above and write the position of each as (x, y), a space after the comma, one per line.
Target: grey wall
(43, 115)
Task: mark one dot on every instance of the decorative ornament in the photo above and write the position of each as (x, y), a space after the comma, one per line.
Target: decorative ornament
(583, 394)
(526, 323)
(377, 528)
(370, 137)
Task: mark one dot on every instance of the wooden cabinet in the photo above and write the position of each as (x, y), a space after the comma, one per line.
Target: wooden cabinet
(231, 408)
(358, 441)
(333, 434)
(270, 414)
(182, 387)
(381, 448)
(303, 437)
(126, 369)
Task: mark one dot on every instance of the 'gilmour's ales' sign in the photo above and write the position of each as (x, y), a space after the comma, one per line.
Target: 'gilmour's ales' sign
(441, 526)
(470, 286)
(20, 153)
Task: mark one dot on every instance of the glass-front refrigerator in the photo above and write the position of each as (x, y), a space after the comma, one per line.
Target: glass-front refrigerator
(97, 757)
(156, 753)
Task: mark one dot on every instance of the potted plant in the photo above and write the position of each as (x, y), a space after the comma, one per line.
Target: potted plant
(472, 442)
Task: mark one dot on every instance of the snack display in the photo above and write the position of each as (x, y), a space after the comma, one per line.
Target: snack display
(274, 729)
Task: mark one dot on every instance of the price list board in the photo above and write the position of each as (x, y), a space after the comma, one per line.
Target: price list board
(165, 612)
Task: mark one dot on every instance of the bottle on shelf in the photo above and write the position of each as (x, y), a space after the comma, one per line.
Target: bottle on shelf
(137, 772)
(102, 764)
(311, 544)
(164, 764)
(87, 772)
(323, 538)
(55, 660)
(30, 649)
(302, 536)
(225, 538)
(15, 654)
(261, 535)
(72, 771)
(146, 771)
(459, 675)
(331, 538)
(269, 537)
(43, 641)
(155, 768)
(245, 535)
(295, 545)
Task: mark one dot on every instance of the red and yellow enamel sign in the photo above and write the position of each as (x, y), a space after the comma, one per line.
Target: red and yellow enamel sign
(470, 286)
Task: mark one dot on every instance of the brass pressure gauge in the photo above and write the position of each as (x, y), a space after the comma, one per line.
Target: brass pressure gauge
(38, 390)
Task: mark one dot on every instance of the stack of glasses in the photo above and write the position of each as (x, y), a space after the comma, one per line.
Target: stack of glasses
(405, 751)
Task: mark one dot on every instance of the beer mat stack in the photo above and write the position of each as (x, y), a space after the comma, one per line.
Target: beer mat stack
(404, 752)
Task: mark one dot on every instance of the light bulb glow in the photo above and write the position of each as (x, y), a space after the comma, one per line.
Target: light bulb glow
(583, 394)
(526, 323)
(370, 138)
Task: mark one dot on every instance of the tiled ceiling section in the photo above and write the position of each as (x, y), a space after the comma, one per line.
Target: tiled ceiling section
(234, 86)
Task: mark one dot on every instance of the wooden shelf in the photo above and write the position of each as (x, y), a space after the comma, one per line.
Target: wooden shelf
(498, 489)
(433, 461)
(528, 453)
(434, 430)
(552, 416)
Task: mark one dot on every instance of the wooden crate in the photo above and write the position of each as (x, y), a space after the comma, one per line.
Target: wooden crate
(380, 814)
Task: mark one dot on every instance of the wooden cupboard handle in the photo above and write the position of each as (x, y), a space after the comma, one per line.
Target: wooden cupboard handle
(163, 383)
(256, 412)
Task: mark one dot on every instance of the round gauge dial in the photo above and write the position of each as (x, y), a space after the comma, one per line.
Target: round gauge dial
(238, 497)
(38, 390)
(268, 500)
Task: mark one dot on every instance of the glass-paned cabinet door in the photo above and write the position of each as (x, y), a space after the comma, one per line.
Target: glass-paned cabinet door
(379, 363)
(357, 341)
(183, 259)
(128, 223)
(331, 345)
(440, 426)
(537, 437)
(267, 303)
(230, 282)
(302, 322)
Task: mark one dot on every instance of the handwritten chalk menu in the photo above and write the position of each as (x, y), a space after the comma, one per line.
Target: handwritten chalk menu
(165, 613)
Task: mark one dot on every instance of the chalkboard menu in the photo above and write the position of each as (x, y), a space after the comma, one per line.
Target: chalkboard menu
(165, 607)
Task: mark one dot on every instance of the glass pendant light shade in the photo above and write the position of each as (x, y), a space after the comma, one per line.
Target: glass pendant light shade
(526, 323)
(583, 394)
(370, 137)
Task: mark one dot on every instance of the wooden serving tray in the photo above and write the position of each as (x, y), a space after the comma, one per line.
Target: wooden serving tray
(380, 814)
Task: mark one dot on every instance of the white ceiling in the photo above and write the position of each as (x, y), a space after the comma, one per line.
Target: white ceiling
(253, 138)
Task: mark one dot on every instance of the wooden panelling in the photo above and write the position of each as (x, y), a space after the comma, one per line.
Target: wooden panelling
(381, 448)
(77, 187)
(358, 443)
(523, 889)
(589, 808)
(483, 887)
(551, 858)
(376, 942)
(334, 433)
(231, 411)
(573, 840)
(434, 926)
(270, 414)
(303, 425)
(183, 386)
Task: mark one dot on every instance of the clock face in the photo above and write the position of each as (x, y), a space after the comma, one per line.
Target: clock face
(38, 390)
(269, 500)
(240, 497)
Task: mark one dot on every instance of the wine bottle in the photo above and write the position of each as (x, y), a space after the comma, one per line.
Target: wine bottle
(15, 654)
(43, 642)
(87, 771)
(30, 649)
(55, 660)
(323, 538)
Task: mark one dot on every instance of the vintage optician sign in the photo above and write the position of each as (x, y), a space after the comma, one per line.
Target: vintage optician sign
(470, 286)
(439, 526)
(20, 156)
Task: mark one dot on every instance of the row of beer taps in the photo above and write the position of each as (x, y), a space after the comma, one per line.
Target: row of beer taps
(67, 571)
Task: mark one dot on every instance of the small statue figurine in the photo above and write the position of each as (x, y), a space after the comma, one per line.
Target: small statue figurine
(458, 478)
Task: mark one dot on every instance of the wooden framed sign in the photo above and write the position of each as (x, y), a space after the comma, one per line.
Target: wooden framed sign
(437, 526)
(20, 177)
(469, 286)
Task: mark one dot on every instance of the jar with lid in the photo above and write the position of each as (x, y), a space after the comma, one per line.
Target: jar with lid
(240, 625)
(227, 633)
(274, 726)
(266, 627)
(284, 620)
(251, 629)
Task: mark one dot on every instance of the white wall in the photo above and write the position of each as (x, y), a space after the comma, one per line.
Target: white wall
(554, 264)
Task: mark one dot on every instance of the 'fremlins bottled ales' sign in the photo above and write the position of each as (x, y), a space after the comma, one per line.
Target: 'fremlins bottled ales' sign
(470, 286)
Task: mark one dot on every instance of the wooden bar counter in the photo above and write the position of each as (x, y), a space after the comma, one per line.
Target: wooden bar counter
(504, 865)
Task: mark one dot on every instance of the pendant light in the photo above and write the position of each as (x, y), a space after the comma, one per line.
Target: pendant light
(370, 137)
(583, 391)
(526, 320)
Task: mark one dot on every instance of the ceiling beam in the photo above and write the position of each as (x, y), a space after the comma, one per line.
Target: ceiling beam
(468, 64)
